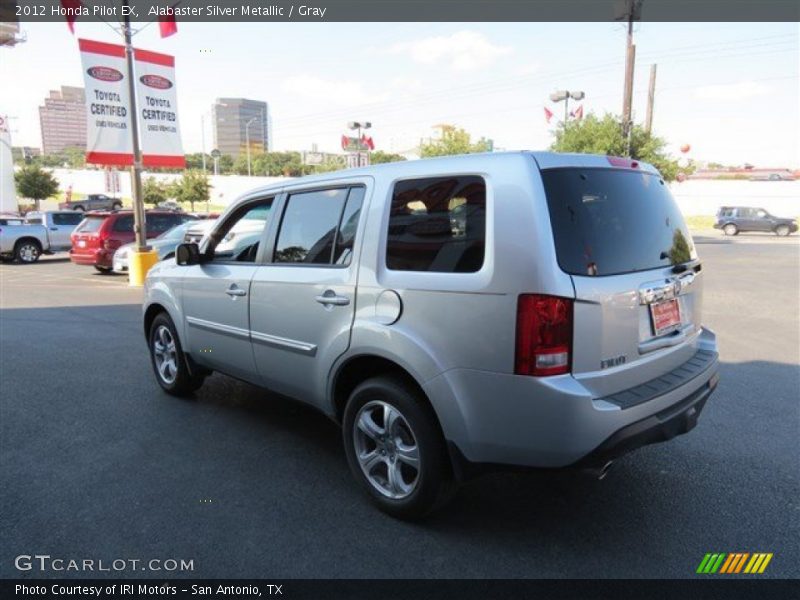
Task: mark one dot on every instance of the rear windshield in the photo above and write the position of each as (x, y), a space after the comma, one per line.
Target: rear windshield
(609, 221)
(90, 225)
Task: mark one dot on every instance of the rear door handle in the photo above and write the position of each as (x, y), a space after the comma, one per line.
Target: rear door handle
(329, 298)
(235, 290)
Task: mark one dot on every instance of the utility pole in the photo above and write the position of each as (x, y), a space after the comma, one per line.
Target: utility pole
(633, 10)
(139, 227)
(651, 95)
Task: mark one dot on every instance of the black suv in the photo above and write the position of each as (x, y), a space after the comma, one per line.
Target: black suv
(733, 219)
(92, 202)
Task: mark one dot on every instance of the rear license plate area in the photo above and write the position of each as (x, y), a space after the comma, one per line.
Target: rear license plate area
(665, 316)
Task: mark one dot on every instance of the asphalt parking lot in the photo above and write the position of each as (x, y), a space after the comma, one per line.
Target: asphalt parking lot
(98, 463)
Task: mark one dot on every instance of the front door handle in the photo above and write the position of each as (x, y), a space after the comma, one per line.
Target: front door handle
(235, 290)
(329, 298)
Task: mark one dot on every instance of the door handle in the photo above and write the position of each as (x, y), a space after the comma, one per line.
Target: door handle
(329, 298)
(235, 290)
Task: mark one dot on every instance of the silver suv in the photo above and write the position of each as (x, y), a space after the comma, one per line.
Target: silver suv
(453, 314)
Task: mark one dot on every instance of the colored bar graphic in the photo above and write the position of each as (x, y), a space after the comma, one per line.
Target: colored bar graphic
(734, 562)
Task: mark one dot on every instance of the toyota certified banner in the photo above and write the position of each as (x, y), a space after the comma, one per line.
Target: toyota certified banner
(108, 127)
(157, 105)
(108, 132)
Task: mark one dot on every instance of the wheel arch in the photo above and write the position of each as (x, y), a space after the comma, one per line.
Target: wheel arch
(29, 238)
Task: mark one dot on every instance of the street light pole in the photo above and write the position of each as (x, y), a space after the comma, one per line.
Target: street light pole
(203, 139)
(139, 226)
(247, 140)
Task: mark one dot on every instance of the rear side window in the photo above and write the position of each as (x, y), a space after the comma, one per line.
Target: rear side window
(123, 224)
(67, 218)
(156, 223)
(311, 228)
(437, 224)
(90, 225)
(609, 221)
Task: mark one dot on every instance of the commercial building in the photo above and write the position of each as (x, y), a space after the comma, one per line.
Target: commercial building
(238, 121)
(63, 120)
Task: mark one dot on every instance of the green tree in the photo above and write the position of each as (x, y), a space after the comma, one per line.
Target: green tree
(192, 187)
(35, 183)
(153, 191)
(454, 140)
(594, 135)
(379, 157)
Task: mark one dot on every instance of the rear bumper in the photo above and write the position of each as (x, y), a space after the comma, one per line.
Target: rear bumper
(100, 257)
(499, 419)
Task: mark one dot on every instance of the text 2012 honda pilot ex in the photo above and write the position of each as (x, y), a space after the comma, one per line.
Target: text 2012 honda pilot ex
(528, 309)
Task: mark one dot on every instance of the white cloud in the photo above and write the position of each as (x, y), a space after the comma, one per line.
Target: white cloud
(463, 50)
(731, 91)
(341, 93)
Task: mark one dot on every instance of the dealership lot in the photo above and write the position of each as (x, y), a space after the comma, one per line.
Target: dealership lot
(99, 464)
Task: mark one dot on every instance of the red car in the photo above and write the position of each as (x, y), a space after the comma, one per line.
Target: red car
(99, 235)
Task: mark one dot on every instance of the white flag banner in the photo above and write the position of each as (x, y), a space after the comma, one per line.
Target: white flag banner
(108, 127)
(157, 105)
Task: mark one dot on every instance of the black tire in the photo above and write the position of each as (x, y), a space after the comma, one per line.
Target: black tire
(180, 382)
(27, 251)
(433, 484)
(782, 230)
(103, 270)
(730, 229)
(79, 208)
(116, 206)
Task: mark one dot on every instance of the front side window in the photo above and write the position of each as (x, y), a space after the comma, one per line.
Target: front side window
(309, 228)
(437, 224)
(239, 237)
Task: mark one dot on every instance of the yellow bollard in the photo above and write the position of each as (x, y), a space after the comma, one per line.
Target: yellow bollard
(139, 264)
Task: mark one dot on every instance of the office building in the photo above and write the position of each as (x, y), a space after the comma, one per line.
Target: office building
(237, 121)
(63, 120)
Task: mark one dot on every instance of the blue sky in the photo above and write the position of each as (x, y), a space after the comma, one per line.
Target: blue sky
(728, 89)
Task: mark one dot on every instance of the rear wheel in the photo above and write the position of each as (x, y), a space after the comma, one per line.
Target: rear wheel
(395, 449)
(169, 362)
(78, 208)
(730, 229)
(27, 251)
(116, 206)
(782, 230)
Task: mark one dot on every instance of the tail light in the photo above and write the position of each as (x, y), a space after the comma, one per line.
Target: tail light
(544, 335)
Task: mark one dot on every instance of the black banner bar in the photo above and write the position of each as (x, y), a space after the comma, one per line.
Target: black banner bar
(406, 10)
(702, 588)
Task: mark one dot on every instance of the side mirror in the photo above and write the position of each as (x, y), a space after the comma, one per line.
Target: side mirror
(187, 255)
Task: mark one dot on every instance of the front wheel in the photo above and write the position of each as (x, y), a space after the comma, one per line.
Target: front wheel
(782, 230)
(27, 251)
(730, 229)
(395, 449)
(169, 362)
(104, 270)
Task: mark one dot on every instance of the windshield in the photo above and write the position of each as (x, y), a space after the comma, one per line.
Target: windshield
(613, 221)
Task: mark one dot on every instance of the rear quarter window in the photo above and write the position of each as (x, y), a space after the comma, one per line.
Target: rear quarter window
(614, 221)
(437, 224)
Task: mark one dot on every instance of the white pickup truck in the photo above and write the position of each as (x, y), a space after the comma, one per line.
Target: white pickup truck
(25, 239)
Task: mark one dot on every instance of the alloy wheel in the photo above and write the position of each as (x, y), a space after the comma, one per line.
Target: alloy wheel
(386, 449)
(165, 354)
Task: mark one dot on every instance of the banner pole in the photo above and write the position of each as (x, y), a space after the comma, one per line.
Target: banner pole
(139, 226)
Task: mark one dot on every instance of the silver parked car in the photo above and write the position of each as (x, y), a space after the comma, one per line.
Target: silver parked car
(164, 244)
(526, 309)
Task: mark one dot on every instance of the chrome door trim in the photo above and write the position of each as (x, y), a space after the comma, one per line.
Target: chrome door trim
(214, 327)
(284, 343)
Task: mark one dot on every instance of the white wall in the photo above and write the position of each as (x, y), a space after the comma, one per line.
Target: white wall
(695, 197)
(705, 196)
